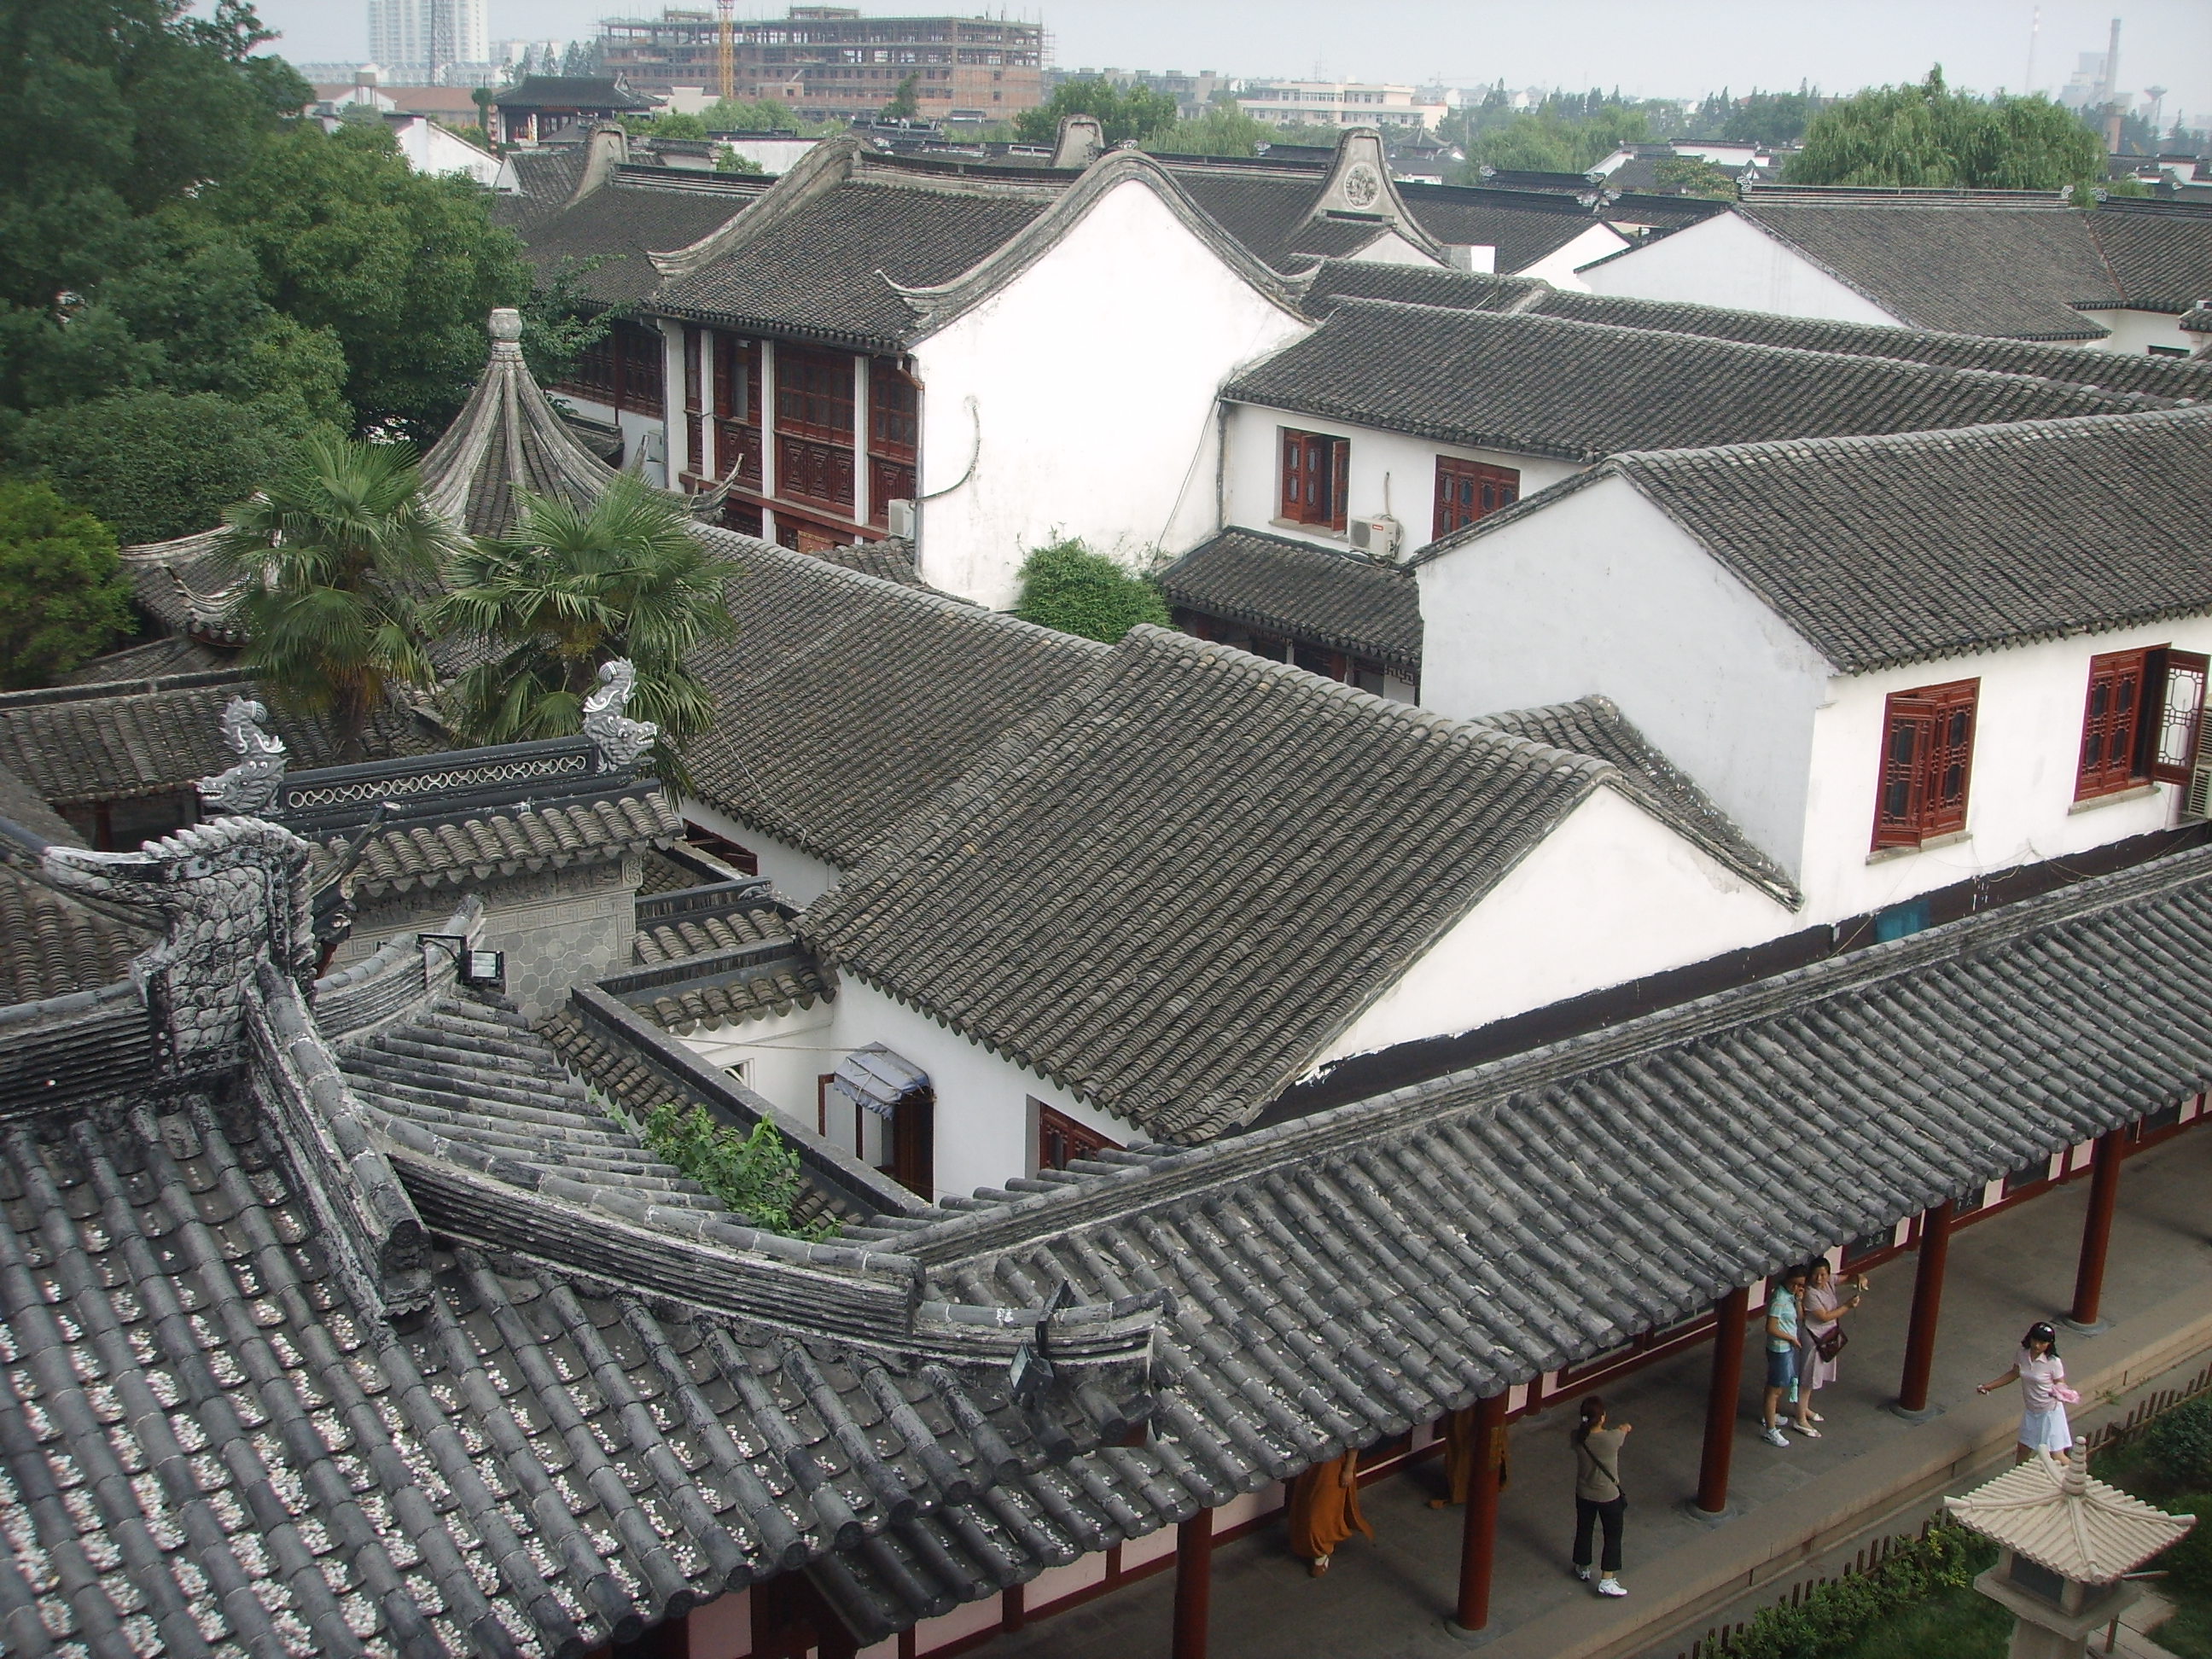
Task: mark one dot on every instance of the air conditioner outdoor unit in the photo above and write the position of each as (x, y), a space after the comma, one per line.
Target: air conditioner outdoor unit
(898, 518)
(1378, 537)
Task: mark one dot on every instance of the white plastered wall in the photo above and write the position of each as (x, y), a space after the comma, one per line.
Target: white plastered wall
(1252, 474)
(799, 877)
(782, 1054)
(1601, 591)
(1726, 260)
(1611, 894)
(985, 1128)
(2019, 800)
(1559, 267)
(1080, 399)
(1392, 249)
(2135, 332)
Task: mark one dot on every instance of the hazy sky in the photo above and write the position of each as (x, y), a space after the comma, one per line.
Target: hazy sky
(1651, 48)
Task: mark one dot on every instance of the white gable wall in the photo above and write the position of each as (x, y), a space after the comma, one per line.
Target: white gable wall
(985, 1128)
(1559, 267)
(2020, 799)
(1601, 591)
(1392, 249)
(2135, 332)
(1093, 376)
(799, 877)
(1384, 465)
(1609, 896)
(1726, 260)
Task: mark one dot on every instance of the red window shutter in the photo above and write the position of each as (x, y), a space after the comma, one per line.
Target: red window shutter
(1338, 461)
(1468, 491)
(1951, 758)
(2110, 724)
(726, 387)
(1908, 737)
(1293, 491)
(691, 387)
(2180, 715)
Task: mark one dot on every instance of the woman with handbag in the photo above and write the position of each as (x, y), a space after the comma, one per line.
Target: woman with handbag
(1825, 1308)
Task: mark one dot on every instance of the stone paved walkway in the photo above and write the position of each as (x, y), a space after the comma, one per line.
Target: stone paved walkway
(1387, 1599)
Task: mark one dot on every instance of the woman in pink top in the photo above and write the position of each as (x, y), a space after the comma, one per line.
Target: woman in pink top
(2044, 1395)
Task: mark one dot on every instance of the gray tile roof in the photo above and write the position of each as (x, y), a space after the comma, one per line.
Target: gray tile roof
(127, 739)
(154, 659)
(50, 944)
(1340, 1277)
(721, 961)
(1894, 550)
(1343, 600)
(1595, 726)
(1523, 226)
(1541, 386)
(561, 92)
(1268, 212)
(464, 846)
(614, 228)
(827, 267)
(848, 701)
(2160, 255)
(891, 561)
(2110, 371)
(1971, 268)
(1066, 903)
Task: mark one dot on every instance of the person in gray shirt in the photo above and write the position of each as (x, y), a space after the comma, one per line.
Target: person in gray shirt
(1598, 1496)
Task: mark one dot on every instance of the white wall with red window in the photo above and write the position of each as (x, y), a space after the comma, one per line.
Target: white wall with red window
(1302, 475)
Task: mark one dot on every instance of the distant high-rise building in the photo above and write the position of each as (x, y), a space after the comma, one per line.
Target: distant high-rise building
(422, 40)
(830, 61)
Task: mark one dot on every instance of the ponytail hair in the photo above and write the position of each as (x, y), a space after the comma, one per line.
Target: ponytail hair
(1593, 1414)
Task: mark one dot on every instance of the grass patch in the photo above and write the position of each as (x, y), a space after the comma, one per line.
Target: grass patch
(1952, 1623)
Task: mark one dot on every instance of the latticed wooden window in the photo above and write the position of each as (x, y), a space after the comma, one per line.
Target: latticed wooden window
(1061, 1139)
(814, 393)
(893, 412)
(1927, 763)
(1316, 472)
(1468, 490)
(2114, 731)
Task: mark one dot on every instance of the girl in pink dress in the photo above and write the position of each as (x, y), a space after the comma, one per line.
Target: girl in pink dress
(2044, 1396)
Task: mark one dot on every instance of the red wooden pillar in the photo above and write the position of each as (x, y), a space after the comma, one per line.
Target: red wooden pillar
(1927, 1305)
(1194, 1584)
(1013, 1608)
(1729, 1315)
(1479, 1534)
(2097, 1228)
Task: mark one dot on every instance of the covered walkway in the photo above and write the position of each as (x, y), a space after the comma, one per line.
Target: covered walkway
(1393, 1597)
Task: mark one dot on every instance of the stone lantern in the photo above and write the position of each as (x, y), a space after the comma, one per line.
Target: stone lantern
(2066, 1543)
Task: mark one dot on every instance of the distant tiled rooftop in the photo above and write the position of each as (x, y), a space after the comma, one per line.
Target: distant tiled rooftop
(1336, 599)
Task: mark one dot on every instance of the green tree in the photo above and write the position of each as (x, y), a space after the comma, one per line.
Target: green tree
(63, 598)
(673, 124)
(1068, 586)
(763, 115)
(905, 104)
(401, 268)
(1771, 118)
(1693, 177)
(156, 464)
(333, 553)
(1223, 130)
(1123, 113)
(756, 1175)
(571, 588)
(727, 159)
(1928, 134)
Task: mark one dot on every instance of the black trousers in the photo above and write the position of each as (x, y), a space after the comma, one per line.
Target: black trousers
(1588, 1514)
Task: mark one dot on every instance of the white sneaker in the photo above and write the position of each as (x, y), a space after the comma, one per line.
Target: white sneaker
(1611, 1587)
(1583, 1573)
(1774, 1436)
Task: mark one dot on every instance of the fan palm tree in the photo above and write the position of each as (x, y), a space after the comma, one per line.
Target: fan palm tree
(571, 588)
(334, 554)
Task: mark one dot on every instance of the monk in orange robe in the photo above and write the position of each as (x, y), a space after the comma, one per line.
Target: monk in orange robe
(1325, 1510)
(1459, 1456)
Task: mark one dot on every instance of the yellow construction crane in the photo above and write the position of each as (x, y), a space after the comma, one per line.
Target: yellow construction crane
(725, 47)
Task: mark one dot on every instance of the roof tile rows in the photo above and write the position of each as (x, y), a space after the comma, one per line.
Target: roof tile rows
(1342, 600)
(749, 960)
(1539, 385)
(1075, 904)
(464, 845)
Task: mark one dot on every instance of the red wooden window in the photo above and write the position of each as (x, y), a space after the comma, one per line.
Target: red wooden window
(2141, 720)
(736, 408)
(1468, 490)
(893, 412)
(694, 391)
(1061, 1139)
(2115, 733)
(814, 393)
(1315, 470)
(1927, 761)
(810, 472)
(622, 367)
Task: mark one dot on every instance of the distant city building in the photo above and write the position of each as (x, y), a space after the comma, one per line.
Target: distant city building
(828, 62)
(2087, 84)
(1192, 93)
(430, 40)
(1337, 103)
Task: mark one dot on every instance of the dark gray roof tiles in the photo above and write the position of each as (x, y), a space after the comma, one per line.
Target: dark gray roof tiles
(24, 806)
(123, 740)
(154, 659)
(1894, 550)
(850, 701)
(1523, 226)
(1066, 903)
(2109, 371)
(1595, 726)
(536, 1466)
(889, 560)
(1269, 213)
(1341, 599)
(1974, 269)
(1339, 1278)
(459, 846)
(745, 962)
(51, 945)
(827, 265)
(2160, 258)
(579, 92)
(612, 229)
(1542, 386)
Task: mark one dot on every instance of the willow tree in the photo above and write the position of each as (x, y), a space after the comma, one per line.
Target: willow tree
(1928, 134)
